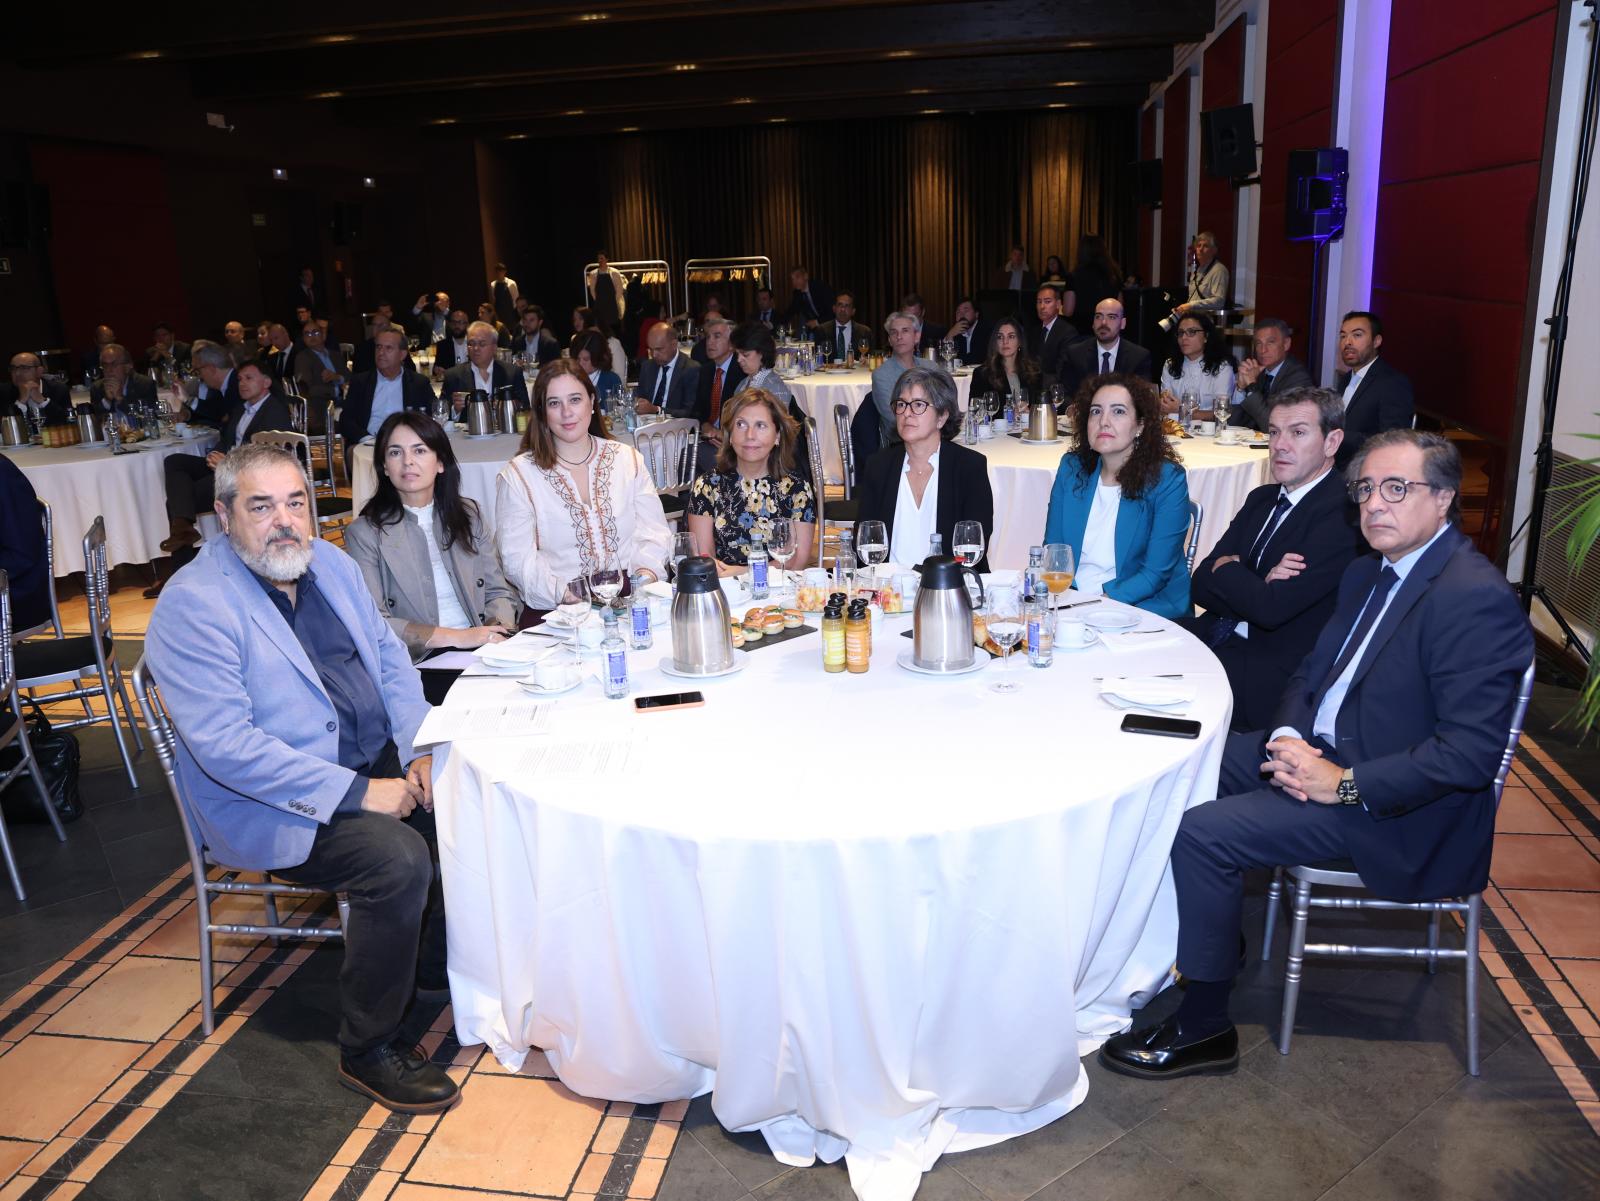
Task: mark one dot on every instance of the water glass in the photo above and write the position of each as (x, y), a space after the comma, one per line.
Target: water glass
(872, 542)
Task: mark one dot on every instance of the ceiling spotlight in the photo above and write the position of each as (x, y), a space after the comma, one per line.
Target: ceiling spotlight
(742, 100)
(685, 66)
(901, 54)
(333, 39)
(280, 174)
(594, 16)
(368, 182)
(1055, 105)
(442, 121)
(326, 95)
(777, 120)
(629, 129)
(932, 112)
(141, 54)
(918, 91)
(573, 112)
(516, 137)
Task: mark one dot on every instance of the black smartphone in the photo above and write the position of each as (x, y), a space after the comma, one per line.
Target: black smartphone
(1166, 727)
(668, 700)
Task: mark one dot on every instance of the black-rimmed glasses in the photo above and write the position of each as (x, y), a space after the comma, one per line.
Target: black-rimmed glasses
(911, 406)
(1392, 489)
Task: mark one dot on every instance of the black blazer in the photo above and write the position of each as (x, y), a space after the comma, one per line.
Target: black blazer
(279, 362)
(1285, 616)
(214, 408)
(272, 415)
(459, 379)
(1384, 401)
(179, 351)
(22, 549)
(978, 350)
(1083, 360)
(964, 492)
(1425, 720)
(547, 347)
(1049, 350)
(814, 304)
(57, 406)
(682, 398)
(444, 354)
(932, 335)
(366, 358)
(823, 335)
(702, 387)
(1253, 413)
(139, 389)
(415, 394)
(981, 383)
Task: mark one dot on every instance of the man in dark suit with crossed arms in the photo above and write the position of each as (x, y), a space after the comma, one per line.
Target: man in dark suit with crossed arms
(1384, 750)
(1269, 585)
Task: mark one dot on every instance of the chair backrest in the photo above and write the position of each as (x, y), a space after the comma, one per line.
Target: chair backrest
(814, 457)
(97, 582)
(165, 737)
(299, 445)
(1524, 695)
(54, 623)
(866, 430)
(1192, 543)
(297, 412)
(847, 453)
(330, 439)
(667, 448)
(8, 669)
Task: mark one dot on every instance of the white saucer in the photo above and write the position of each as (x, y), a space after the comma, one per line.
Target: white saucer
(1063, 648)
(1111, 619)
(667, 667)
(1040, 442)
(906, 659)
(527, 685)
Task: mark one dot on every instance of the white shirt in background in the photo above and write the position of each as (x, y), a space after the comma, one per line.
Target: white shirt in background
(1097, 563)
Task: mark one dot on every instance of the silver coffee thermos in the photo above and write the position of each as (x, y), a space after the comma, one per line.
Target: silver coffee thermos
(941, 621)
(479, 418)
(702, 642)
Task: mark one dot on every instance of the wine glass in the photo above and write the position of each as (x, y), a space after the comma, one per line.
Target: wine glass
(1004, 620)
(781, 547)
(606, 580)
(872, 543)
(575, 605)
(1221, 407)
(1058, 569)
(682, 548)
(966, 543)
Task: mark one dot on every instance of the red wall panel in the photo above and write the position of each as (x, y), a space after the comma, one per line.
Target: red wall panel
(1221, 85)
(1417, 33)
(1174, 182)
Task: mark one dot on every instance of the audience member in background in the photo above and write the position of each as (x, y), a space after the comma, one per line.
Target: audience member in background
(1269, 585)
(765, 313)
(482, 371)
(279, 357)
(923, 483)
(451, 350)
(1016, 275)
(306, 294)
(422, 546)
(167, 353)
(668, 378)
(593, 354)
(1096, 276)
(607, 288)
(302, 314)
(1055, 272)
(104, 336)
(233, 340)
(931, 334)
(650, 313)
(904, 331)
(573, 499)
(503, 294)
(757, 351)
(970, 333)
(217, 392)
(1054, 334)
(487, 315)
(23, 555)
(1267, 372)
(808, 299)
(719, 376)
(1202, 365)
(1383, 750)
(752, 484)
(190, 478)
(1008, 370)
(320, 373)
(1121, 499)
(263, 338)
(1376, 396)
(120, 389)
(365, 357)
(32, 397)
(1109, 352)
(295, 708)
(430, 316)
(533, 340)
(1208, 281)
(844, 335)
(379, 394)
(584, 320)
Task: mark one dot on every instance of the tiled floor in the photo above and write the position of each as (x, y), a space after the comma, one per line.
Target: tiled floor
(108, 1090)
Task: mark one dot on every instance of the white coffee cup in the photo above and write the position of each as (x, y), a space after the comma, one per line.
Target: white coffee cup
(1070, 631)
(1203, 428)
(552, 674)
(591, 632)
(1227, 436)
(660, 609)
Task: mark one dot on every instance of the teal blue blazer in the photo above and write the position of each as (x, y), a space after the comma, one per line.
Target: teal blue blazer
(1150, 532)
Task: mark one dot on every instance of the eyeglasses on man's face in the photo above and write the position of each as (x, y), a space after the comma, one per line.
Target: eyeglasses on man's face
(1393, 489)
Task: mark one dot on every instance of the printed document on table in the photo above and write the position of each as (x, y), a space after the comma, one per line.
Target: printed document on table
(511, 719)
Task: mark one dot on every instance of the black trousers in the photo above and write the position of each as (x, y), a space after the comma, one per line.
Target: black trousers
(1250, 825)
(190, 486)
(389, 869)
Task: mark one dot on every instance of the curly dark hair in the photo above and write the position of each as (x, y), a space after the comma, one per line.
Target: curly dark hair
(1214, 354)
(1150, 446)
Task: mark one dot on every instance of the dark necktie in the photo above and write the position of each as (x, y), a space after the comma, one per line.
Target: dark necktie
(839, 348)
(661, 386)
(1369, 616)
(1279, 511)
(716, 394)
(1105, 362)
(1266, 383)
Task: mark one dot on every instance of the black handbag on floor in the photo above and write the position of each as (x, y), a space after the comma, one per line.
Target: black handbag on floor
(56, 752)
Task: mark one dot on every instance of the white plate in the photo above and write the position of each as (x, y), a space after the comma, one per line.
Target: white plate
(667, 667)
(1151, 692)
(1111, 619)
(906, 659)
(527, 685)
(1040, 441)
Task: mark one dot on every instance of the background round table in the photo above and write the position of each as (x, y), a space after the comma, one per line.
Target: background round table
(81, 483)
(817, 394)
(879, 916)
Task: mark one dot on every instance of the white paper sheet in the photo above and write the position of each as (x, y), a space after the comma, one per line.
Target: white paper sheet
(511, 719)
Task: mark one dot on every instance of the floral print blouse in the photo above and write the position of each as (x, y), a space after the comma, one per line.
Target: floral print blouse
(742, 510)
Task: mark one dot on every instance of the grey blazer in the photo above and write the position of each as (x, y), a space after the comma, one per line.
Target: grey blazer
(394, 562)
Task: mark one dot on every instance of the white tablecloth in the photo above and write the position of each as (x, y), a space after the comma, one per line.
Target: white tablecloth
(1220, 477)
(81, 483)
(861, 911)
(817, 394)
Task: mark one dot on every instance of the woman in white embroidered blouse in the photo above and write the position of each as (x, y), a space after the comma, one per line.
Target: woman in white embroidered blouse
(573, 499)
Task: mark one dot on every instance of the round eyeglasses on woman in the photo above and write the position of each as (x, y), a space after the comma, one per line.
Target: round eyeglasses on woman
(1392, 489)
(918, 406)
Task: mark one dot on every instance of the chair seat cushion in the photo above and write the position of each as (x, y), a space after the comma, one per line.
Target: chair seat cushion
(674, 502)
(333, 506)
(840, 510)
(42, 657)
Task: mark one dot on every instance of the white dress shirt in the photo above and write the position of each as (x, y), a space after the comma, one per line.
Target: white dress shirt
(451, 614)
(1194, 378)
(1097, 561)
(483, 379)
(388, 397)
(1102, 365)
(1353, 383)
(914, 525)
(241, 431)
(1294, 495)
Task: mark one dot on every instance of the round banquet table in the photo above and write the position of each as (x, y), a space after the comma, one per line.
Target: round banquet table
(1220, 477)
(817, 394)
(81, 483)
(884, 955)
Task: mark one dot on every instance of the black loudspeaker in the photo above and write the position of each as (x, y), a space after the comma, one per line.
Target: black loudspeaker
(1314, 209)
(346, 223)
(1228, 142)
(1145, 181)
(24, 215)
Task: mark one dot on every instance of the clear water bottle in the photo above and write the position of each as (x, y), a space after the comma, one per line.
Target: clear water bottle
(1039, 620)
(757, 559)
(114, 433)
(844, 564)
(1033, 574)
(614, 658)
(640, 637)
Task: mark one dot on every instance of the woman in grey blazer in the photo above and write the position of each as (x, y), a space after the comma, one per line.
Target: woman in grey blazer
(422, 548)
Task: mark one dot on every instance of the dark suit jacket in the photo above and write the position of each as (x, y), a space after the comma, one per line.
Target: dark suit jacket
(1383, 402)
(1291, 374)
(415, 393)
(280, 363)
(214, 408)
(702, 388)
(22, 549)
(979, 349)
(366, 358)
(272, 415)
(444, 354)
(180, 353)
(1285, 616)
(1083, 360)
(1049, 350)
(1002, 280)
(823, 335)
(57, 404)
(1425, 720)
(139, 390)
(459, 379)
(682, 398)
(932, 335)
(548, 347)
(964, 492)
(298, 296)
(814, 304)
(981, 383)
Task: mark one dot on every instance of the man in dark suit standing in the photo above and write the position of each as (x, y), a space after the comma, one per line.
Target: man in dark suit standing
(1016, 276)
(1048, 343)
(669, 380)
(1384, 750)
(970, 333)
(307, 293)
(1377, 397)
(533, 333)
(809, 302)
(1269, 584)
(23, 555)
(1108, 352)
(1267, 372)
(387, 388)
(714, 388)
(30, 395)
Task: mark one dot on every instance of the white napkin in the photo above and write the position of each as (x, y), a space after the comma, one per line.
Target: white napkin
(1148, 690)
(1126, 641)
(516, 652)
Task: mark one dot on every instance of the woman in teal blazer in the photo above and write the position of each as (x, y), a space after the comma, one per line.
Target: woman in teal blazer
(1119, 422)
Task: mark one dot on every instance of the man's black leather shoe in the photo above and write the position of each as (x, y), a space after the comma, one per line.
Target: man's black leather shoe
(399, 1079)
(1160, 1052)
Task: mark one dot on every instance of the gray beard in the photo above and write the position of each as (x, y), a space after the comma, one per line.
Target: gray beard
(279, 564)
